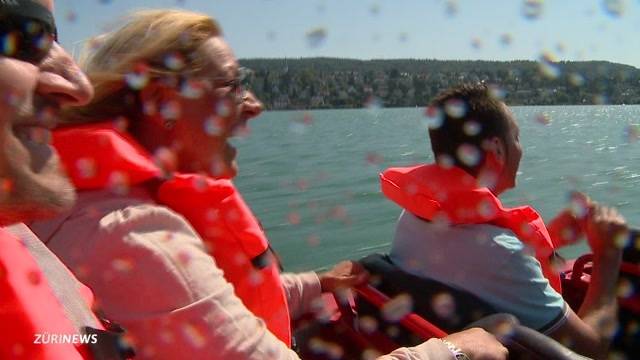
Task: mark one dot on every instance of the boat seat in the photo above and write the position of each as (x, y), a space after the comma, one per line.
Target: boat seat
(448, 308)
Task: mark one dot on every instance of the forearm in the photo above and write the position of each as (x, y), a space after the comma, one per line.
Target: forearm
(301, 290)
(433, 349)
(599, 309)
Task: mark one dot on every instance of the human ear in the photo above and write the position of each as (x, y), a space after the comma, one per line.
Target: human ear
(494, 161)
(154, 97)
(495, 150)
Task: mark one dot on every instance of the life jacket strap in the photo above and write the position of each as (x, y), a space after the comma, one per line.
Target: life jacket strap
(64, 286)
(110, 344)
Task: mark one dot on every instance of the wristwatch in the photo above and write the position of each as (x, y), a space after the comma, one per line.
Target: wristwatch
(457, 353)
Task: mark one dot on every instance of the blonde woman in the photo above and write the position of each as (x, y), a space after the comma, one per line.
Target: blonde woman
(175, 256)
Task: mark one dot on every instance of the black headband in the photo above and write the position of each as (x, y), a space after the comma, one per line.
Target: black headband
(29, 9)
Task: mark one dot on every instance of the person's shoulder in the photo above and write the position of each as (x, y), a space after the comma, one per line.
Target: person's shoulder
(140, 217)
(111, 212)
(103, 220)
(496, 237)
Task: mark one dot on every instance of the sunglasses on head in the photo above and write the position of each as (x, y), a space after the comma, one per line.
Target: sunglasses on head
(27, 32)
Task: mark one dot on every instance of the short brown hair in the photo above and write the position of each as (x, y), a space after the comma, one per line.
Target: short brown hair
(469, 114)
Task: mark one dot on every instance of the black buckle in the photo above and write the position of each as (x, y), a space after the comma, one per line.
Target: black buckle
(110, 343)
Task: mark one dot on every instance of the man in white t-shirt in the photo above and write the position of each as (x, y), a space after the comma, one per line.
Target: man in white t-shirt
(455, 230)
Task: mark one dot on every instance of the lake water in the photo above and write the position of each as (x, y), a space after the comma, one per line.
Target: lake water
(312, 177)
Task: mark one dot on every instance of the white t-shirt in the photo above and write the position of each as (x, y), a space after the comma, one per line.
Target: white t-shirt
(485, 260)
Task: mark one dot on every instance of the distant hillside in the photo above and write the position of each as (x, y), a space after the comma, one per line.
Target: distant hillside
(313, 83)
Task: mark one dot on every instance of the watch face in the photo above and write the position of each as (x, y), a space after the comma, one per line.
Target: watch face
(462, 356)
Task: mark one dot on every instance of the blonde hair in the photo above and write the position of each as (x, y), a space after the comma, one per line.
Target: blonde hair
(145, 39)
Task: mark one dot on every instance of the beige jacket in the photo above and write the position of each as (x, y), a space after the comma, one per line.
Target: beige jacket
(150, 272)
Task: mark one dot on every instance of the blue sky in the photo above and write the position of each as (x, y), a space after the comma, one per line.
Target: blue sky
(440, 29)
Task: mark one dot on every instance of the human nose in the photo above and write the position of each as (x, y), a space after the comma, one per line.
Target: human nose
(61, 80)
(251, 106)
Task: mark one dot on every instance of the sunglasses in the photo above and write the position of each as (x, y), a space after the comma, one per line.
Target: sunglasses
(25, 39)
(27, 32)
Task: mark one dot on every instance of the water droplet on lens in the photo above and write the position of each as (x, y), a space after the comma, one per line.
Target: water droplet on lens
(71, 16)
(451, 8)
(213, 126)
(122, 265)
(192, 89)
(506, 39)
(317, 345)
(34, 277)
(374, 158)
(434, 117)
(373, 103)
(174, 61)
(632, 133)
(455, 108)
(472, 128)
(334, 351)
(194, 336)
(576, 79)
(118, 183)
(166, 159)
(486, 209)
(548, 65)
(138, 78)
(121, 123)
(9, 44)
(443, 305)
(397, 308)
(371, 354)
(445, 161)
(614, 8)
(184, 258)
(222, 108)
(368, 324)
(496, 92)
(6, 186)
(316, 37)
(468, 154)
(86, 167)
(476, 43)
(293, 218)
(600, 99)
(170, 110)
(532, 9)
(313, 240)
(374, 9)
(622, 239)
(543, 118)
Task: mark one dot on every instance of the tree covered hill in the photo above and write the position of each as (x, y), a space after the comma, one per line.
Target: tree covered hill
(312, 83)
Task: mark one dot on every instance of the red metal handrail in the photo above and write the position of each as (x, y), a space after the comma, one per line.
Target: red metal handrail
(412, 321)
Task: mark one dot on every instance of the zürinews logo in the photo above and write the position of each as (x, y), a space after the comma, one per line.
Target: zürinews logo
(46, 338)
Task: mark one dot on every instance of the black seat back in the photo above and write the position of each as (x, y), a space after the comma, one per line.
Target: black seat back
(448, 308)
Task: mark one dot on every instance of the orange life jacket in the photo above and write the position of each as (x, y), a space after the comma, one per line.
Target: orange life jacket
(433, 192)
(94, 155)
(29, 309)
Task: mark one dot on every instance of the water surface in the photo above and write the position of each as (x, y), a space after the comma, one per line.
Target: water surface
(312, 177)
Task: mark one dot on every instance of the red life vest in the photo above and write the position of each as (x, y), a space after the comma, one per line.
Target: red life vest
(28, 307)
(96, 154)
(433, 192)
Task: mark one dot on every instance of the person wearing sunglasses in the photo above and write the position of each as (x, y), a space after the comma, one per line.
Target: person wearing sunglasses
(160, 233)
(37, 78)
(39, 298)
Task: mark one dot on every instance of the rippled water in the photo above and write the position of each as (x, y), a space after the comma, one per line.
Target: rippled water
(312, 177)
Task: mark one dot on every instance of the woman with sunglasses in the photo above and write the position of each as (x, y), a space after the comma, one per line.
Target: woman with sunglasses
(161, 235)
